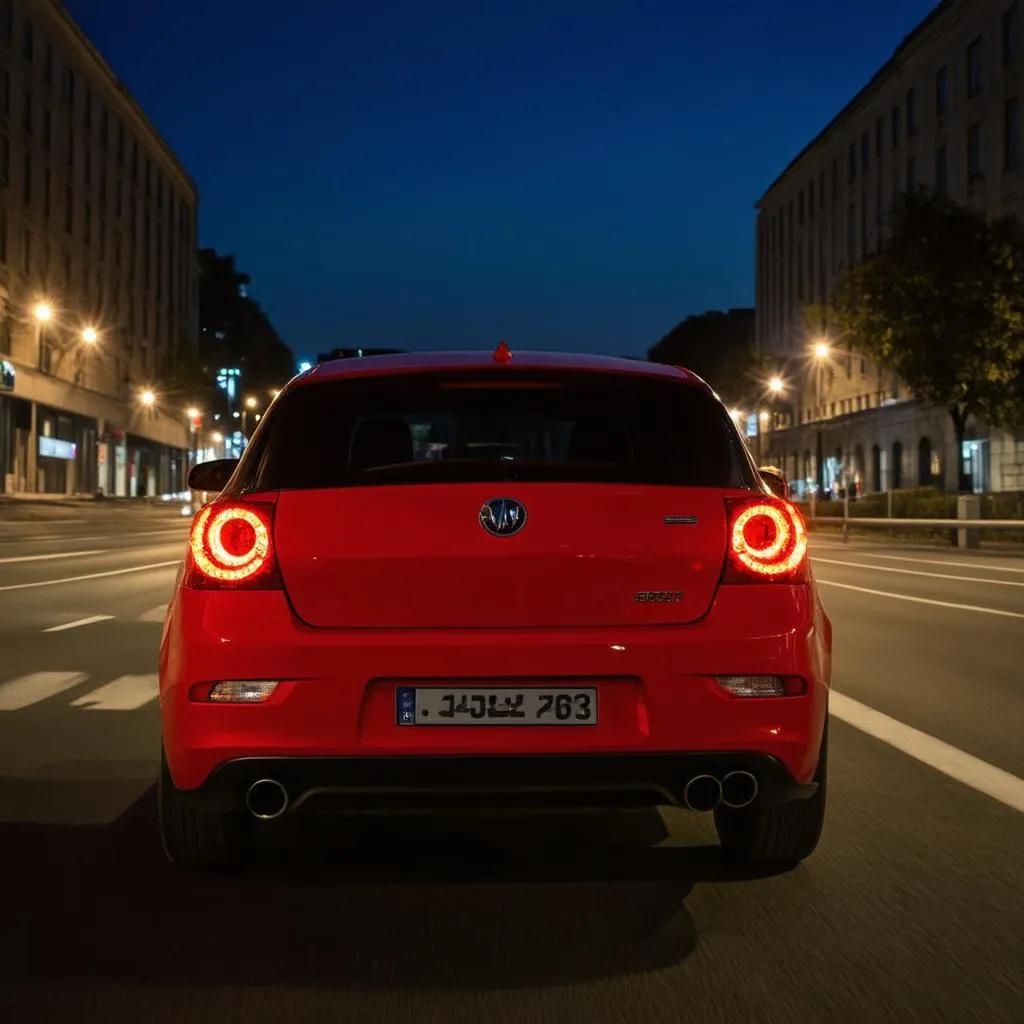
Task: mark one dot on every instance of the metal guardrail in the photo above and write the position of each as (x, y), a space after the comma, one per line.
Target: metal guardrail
(935, 524)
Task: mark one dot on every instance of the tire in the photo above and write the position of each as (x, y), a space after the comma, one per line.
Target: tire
(782, 835)
(193, 837)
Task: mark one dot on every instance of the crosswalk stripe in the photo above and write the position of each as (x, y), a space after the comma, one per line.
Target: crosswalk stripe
(126, 693)
(154, 614)
(35, 687)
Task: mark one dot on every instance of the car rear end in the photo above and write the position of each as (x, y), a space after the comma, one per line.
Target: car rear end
(494, 585)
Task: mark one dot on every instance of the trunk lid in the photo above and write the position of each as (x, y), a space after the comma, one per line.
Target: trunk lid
(418, 556)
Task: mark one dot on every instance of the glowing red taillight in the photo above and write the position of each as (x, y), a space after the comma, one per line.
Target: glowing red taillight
(767, 541)
(232, 545)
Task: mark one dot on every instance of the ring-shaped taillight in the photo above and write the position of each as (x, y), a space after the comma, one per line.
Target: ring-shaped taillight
(768, 539)
(231, 544)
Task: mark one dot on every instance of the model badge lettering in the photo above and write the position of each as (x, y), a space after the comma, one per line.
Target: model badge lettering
(658, 596)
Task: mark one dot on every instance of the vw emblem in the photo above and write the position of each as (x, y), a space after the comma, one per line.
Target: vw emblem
(503, 516)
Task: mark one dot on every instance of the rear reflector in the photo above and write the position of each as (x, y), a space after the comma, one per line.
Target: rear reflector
(241, 691)
(763, 686)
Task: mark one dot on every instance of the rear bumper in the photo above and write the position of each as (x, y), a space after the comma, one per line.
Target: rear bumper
(375, 785)
(332, 721)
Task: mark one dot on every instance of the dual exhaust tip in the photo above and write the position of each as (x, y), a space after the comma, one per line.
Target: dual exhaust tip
(267, 799)
(705, 792)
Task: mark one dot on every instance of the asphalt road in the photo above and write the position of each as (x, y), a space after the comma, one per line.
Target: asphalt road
(911, 910)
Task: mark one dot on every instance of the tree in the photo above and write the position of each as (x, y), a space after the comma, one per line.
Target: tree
(941, 303)
(720, 348)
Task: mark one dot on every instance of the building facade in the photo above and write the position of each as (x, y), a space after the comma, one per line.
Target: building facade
(945, 112)
(98, 271)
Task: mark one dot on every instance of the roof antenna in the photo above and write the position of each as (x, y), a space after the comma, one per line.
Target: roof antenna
(502, 354)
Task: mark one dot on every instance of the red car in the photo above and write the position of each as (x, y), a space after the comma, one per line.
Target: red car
(498, 581)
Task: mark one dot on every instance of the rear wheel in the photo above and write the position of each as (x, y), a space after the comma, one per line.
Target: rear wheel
(194, 837)
(782, 835)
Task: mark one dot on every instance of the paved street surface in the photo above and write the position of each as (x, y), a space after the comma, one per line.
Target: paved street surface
(911, 910)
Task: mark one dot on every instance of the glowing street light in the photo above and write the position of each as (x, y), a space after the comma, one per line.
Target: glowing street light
(193, 413)
(776, 385)
(89, 336)
(251, 402)
(148, 399)
(43, 312)
(822, 350)
(217, 437)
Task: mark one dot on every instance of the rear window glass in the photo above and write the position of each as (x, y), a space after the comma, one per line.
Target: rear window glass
(434, 428)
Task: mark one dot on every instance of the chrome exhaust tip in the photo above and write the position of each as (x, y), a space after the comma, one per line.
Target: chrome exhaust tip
(702, 793)
(266, 799)
(739, 789)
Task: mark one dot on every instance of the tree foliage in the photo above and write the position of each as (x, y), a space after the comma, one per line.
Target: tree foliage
(941, 303)
(718, 346)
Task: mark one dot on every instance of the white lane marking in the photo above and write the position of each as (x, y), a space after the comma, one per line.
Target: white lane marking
(90, 576)
(37, 686)
(18, 524)
(51, 538)
(921, 572)
(127, 693)
(88, 621)
(951, 761)
(923, 600)
(48, 558)
(156, 614)
(963, 564)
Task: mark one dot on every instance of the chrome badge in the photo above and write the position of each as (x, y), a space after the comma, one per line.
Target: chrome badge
(503, 517)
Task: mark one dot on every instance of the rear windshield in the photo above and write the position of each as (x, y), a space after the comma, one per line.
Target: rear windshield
(435, 428)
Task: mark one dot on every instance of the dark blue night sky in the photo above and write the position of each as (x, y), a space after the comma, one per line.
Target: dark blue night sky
(568, 174)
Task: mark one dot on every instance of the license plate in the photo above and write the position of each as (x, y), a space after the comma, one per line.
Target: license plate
(441, 705)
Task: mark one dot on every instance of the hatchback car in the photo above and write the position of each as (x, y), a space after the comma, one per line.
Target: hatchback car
(459, 581)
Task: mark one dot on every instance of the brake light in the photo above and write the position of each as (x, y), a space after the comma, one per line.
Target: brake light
(767, 542)
(232, 546)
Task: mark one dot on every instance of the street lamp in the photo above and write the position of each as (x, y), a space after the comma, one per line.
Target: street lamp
(148, 399)
(776, 385)
(89, 336)
(193, 413)
(822, 350)
(251, 402)
(43, 312)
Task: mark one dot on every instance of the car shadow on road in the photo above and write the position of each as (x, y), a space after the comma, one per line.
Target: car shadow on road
(391, 903)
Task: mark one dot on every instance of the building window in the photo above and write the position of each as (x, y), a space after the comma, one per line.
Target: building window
(821, 195)
(104, 125)
(864, 224)
(69, 210)
(975, 168)
(974, 67)
(26, 181)
(800, 214)
(879, 202)
(895, 127)
(5, 92)
(851, 165)
(88, 108)
(47, 127)
(69, 87)
(879, 137)
(120, 142)
(810, 201)
(865, 152)
(87, 170)
(1011, 134)
(67, 268)
(27, 252)
(71, 148)
(28, 40)
(48, 65)
(911, 175)
(851, 237)
(5, 161)
(47, 189)
(942, 91)
(911, 112)
(27, 112)
(941, 170)
(1011, 33)
(87, 218)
